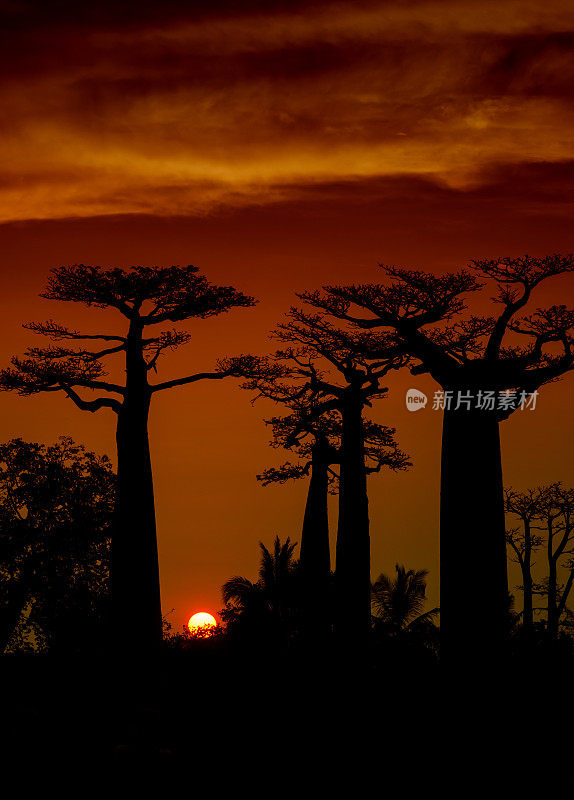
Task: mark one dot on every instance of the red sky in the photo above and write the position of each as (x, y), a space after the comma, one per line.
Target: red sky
(279, 147)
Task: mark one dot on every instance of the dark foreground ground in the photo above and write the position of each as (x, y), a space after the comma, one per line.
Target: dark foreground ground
(233, 716)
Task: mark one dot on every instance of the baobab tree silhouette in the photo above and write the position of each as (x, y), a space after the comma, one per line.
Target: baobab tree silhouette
(546, 514)
(469, 358)
(524, 542)
(336, 367)
(316, 440)
(145, 297)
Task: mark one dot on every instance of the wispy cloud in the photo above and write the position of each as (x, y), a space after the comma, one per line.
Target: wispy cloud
(178, 118)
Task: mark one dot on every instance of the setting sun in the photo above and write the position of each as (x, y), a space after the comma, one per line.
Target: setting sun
(201, 623)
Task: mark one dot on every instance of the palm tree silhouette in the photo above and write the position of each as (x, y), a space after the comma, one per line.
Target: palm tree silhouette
(271, 600)
(399, 602)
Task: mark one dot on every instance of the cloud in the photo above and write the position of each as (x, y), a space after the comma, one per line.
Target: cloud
(179, 116)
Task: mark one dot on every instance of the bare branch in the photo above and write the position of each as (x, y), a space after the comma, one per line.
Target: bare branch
(92, 405)
(526, 272)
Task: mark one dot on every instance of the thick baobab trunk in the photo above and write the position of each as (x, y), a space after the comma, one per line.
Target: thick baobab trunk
(136, 603)
(315, 555)
(474, 584)
(353, 569)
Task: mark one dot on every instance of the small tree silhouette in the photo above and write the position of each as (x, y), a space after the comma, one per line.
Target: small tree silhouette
(547, 517)
(269, 605)
(56, 506)
(399, 602)
(524, 542)
(145, 298)
(469, 358)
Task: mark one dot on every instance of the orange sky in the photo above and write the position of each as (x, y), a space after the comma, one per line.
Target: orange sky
(290, 145)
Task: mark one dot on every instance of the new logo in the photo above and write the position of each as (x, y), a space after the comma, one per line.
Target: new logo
(415, 400)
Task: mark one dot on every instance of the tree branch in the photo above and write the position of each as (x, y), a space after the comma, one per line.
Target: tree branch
(92, 405)
(55, 331)
(200, 376)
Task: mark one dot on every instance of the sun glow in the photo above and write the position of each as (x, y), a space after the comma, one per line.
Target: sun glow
(202, 624)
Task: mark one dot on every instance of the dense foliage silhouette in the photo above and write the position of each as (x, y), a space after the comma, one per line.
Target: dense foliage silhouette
(268, 610)
(402, 629)
(56, 505)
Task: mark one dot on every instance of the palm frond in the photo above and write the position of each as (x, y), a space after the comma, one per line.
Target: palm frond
(399, 601)
(237, 589)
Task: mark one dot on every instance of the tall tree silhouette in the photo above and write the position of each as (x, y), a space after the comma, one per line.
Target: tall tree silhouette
(336, 366)
(316, 440)
(145, 297)
(474, 363)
